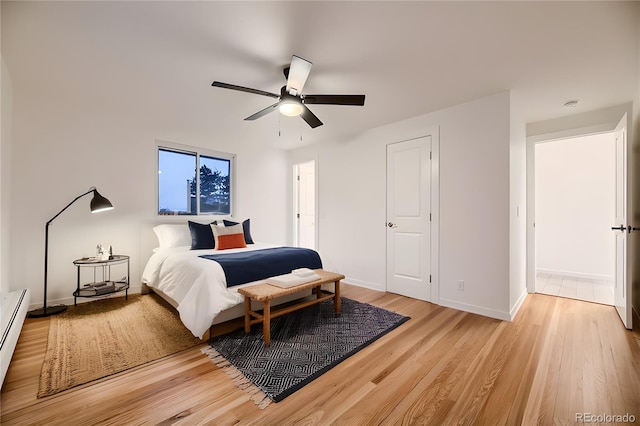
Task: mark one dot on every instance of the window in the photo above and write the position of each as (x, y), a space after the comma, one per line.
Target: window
(182, 191)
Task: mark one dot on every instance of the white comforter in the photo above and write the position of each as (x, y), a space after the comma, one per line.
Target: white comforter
(198, 285)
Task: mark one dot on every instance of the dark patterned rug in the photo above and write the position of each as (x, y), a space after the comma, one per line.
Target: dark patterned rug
(304, 345)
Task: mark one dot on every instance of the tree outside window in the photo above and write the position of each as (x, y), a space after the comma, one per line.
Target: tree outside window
(215, 189)
(178, 183)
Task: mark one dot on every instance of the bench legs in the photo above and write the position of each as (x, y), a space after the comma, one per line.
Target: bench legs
(336, 299)
(265, 318)
(247, 314)
(266, 322)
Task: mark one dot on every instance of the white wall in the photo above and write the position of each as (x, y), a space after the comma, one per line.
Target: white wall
(575, 199)
(474, 202)
(517, 211)
(6, 121)
(61, 148)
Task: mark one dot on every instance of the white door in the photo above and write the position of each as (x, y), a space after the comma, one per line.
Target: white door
(621, 296)
(408, 220)
(305, 205)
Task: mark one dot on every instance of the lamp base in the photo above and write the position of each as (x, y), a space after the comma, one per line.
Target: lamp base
(45, 312)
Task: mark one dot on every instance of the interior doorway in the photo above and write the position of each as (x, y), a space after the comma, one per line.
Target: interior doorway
(305, 205)
(575, 197)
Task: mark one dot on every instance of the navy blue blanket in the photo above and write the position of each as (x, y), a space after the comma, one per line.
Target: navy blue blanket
(245, 267)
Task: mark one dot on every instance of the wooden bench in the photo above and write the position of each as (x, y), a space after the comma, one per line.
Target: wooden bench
(266, 292)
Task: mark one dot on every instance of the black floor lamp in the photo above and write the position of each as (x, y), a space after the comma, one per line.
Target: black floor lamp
(98, 204)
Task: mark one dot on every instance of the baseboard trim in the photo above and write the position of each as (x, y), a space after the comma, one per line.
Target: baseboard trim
(365, 284)
(518, 304)
(474, 309)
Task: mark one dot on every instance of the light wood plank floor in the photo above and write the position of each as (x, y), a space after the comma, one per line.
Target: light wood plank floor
(558, 358)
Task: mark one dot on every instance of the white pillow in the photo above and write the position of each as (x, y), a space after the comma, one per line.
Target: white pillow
(173, 235)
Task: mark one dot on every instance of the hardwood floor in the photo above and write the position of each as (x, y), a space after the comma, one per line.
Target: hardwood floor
(558, 358)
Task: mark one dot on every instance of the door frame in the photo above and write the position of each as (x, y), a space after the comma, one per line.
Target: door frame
(434, 133)
(295, 200)
(531, 141)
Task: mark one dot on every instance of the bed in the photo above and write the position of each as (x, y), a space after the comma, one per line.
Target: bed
(195, 285)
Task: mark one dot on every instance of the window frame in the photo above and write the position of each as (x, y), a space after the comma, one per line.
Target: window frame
(198, 152)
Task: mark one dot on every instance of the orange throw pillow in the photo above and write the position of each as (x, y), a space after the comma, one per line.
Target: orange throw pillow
(231, 241)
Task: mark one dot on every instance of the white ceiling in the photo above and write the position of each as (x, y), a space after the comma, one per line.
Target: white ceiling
(156, 60)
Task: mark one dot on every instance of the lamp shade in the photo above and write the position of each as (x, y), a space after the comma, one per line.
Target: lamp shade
(99, 203)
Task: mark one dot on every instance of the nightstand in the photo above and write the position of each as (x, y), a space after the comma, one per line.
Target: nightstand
(102, 283)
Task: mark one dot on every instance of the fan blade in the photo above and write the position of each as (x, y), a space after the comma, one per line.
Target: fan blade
(310, 117)
(298, 73)
(244, 89)
(357, 100)
(263, 112)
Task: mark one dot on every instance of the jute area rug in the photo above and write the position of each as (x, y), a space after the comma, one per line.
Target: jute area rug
(103, 337)
(304, 345)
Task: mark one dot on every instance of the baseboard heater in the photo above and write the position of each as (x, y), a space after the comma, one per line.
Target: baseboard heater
(14, 311)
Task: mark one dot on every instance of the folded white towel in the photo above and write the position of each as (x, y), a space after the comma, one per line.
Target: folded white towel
(290, 280)
(304, 272)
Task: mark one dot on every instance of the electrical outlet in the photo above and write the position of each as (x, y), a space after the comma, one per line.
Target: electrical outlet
(460, 285)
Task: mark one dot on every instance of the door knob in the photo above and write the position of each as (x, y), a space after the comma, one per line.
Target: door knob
(619, 228)
(392, 225)
(632, 228)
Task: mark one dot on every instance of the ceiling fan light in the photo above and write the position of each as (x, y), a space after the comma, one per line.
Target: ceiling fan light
(290, 108)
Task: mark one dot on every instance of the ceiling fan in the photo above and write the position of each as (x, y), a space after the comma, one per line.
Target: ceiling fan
(291, 101)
